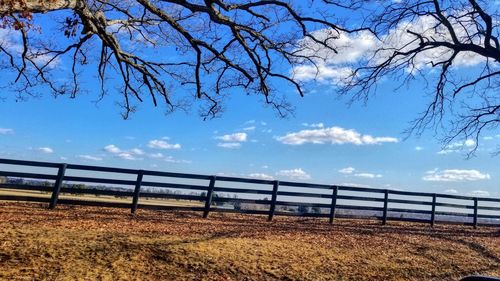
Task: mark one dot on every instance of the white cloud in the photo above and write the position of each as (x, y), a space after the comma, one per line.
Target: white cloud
(163, 144)
(90, 157)
(260, 176)
(165, 158)
(230, 145)
(314, 125)
(333, 68)
(156, 155)
(458, 147)
(454, 175)
(232, 141)
(401, 39)
(368, 175)
(111, 148)
(470, 143)
(353, 184)
(251, 128)
(479, 193)
(136, 151)
(6, 131)
(47, 150)
(171, 159)
(130, 154)
(333, 135)
(236, 137)
(296, 174)
(126, 156)
(321, 73)
(451, 191)
(12, 41)
(419, 148)
(348, 170)
(350, 47)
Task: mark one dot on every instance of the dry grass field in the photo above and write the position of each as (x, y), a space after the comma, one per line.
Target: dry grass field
(102, 198)
(86, 243)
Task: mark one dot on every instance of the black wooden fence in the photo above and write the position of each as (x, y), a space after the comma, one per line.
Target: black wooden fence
(337, 201)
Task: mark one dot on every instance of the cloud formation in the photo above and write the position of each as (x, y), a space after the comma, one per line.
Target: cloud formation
(347, 171)
(458, 147)
(6, 131)
(454, 175)
(295, 174)
(314, 125)
(89, 157)
(367, 175)
(163, 144)
(350, 171)
(111, 148)
(236, 137)
(333, 135)
(261, 176)
(230, 145)
(171, 159)
(333, 68)
(479, 193)
(46, 150)
(232, 141)
(130, 154)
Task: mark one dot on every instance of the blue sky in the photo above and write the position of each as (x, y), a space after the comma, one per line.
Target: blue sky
(325, 141)
(250, 140)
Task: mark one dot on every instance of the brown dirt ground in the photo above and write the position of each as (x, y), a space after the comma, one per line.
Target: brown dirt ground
(86, 243)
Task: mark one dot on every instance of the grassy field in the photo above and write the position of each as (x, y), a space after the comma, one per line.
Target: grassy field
(85, 243)
(101, 198)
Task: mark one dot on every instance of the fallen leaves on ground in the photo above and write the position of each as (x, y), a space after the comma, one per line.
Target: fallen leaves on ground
(88, 243)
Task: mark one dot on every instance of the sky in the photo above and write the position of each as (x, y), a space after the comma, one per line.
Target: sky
(327, 140)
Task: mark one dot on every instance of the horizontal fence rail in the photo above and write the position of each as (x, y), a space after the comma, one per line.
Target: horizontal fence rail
(75, 184)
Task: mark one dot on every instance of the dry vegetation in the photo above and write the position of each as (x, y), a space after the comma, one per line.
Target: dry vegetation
(102, 198)
(84, 243)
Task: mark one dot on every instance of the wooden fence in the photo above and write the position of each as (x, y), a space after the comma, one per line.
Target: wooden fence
(337, 201)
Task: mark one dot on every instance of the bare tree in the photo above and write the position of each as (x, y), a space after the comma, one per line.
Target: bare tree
(172, 52)
(169, 52)
(434, 40)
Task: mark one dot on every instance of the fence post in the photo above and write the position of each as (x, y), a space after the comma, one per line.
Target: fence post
(208, 201)
(57, 186)
(276, 184)
(433, 213)
(386, 203)
(475, 212)
(137, 190)
(333, 205)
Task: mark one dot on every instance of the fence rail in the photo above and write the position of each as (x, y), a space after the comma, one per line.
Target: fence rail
(329, 201)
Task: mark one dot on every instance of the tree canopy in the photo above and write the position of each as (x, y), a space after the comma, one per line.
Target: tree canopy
(450, 48)
(454, 47)
(155, 48)
(173, 52)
